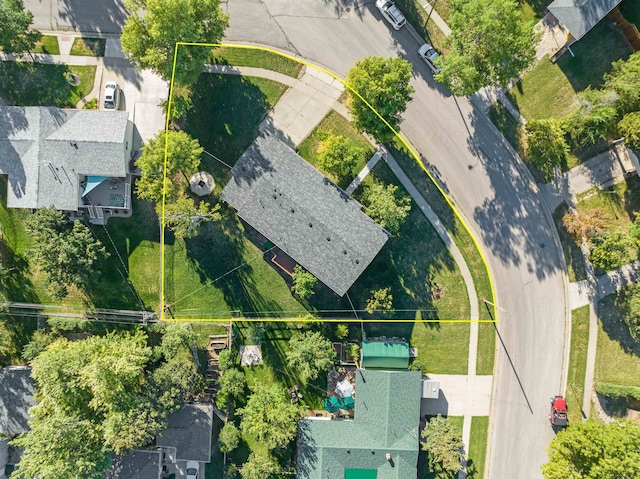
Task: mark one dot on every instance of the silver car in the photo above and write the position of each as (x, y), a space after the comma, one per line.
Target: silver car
(391, 13)
(429, 55)
(111, 96)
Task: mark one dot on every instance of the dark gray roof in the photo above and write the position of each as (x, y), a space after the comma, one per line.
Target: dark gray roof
(16, 397)
(386, 420)
(44, 149)
(301, 211)
(580, 16)
(136, 464)
(189, 430)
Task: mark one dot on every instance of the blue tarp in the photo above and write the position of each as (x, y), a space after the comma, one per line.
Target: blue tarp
(92, 182)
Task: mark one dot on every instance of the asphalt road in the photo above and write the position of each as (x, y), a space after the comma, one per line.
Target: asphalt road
(477, 170)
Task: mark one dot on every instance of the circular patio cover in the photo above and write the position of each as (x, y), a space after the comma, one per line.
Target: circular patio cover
(202, 183)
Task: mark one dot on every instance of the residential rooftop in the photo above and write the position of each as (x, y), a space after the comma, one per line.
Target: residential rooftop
(136, 464)
(16, 397)
(580, 16)
(303, 213)
(189, 432)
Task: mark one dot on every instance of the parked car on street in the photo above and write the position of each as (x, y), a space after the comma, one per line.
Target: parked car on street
(111, 96)
(391, 13)
(558, 416)
(429, 55)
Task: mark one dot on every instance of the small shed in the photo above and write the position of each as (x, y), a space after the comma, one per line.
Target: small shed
(385, 355)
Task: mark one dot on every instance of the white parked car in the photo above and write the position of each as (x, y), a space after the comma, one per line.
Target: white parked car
(111, 96)
(391, 13)
(193, 468)
(429, 55)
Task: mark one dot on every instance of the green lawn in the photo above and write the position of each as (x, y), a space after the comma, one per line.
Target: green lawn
(88, 47)
(48, 44)
(616, 206)
(486, 348)
(577, 362)
(27, 84)
(572, 253)
(618, 355)
(243, 57)
(334, 124)
(477, 446)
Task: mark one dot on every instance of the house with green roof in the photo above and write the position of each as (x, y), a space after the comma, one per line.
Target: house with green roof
(380, 442)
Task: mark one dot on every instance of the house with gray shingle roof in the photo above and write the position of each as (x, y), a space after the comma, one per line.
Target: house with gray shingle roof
(74, 160)
(380, 442)
(303, 213)
(580, 16)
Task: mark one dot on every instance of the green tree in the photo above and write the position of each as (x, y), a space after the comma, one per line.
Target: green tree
(303, 282)
(6, 340)
(629, 127)
(73, 257)
(584, 224)
(176, 336)
(16, 35)
(229, 437)
(183, 159)
(384, 84)
(342, 331)
(624, 79)
(339, 155)
(308, 354)
(380, 300)
(630, 305)
(225, 361)
(385, 207)
(594, 119)
(40, 339)
(152, 29)
(443, 443)
(593, 450)
(183, 217)
(259, 466)
(233, 382)
(269, 417)
(546, 145)
(613, 250)
(490, 44)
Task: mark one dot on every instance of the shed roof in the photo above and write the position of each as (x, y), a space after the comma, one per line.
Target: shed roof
(44, 149)
(385, 354)
(16, 397)
(189, 431)
(302, 212)
(386, 420)
(580, 16)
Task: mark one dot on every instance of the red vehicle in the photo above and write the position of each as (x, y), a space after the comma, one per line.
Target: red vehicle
(558, 416)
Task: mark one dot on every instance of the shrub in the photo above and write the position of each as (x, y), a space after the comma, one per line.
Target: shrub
(546, 145)
(613, 390)
(613, 251)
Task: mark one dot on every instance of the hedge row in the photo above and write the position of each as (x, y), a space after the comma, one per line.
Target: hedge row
(613, 390)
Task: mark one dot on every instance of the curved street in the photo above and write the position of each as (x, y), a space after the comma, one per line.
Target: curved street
(480, 173)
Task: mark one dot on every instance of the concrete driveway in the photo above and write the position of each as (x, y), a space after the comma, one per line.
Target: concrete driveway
(460, 395)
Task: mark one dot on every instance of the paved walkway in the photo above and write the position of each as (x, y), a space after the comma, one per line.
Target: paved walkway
(602, 171)
(435, 17)
(363, 173)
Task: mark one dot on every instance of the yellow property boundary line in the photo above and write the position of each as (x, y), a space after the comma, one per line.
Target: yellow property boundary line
(300, 320)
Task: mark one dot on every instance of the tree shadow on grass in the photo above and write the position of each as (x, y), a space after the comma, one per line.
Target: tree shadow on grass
(611, 311)
(27, 83)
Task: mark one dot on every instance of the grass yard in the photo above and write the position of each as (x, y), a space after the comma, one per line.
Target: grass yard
(27, 84)
(477, 446)
(572, 253)
(88, 47)
(417, 16)
(618, 355)
(48, 44)
(243, 57)
(334, 124)
(577, 362)
(486, 348)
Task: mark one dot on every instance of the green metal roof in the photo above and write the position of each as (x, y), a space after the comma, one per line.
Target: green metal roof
(386, 420)
(385, 355)
(360, 474)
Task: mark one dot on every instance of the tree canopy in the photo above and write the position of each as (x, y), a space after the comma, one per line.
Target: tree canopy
(152, 29)
(593, 450)
(546, 144)
(269, 417)
(624, 79)
(385, 207)
(16, 35)
(96, 396)
(73, 256)
(444, 443)
(303, 282)
(339, 155)
(384, 84)
(629, 127)
(229, 437)
(380, 300)
(490, 44)
(309, 353)
(259, 466)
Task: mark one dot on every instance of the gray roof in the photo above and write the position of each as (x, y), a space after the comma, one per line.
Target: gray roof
(301, 211)
(386, 420)
(136, 464)
(189, 430)
(44, 149)
(580, 16)
(16, 397)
